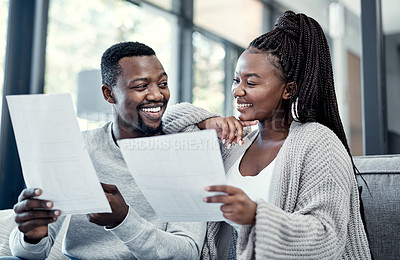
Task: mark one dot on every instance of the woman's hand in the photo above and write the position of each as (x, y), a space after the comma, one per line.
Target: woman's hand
(237, 206)
(229, 129)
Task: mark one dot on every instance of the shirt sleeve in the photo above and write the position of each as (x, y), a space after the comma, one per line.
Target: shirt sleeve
(145, 241)
(41, 250)
(184, 117)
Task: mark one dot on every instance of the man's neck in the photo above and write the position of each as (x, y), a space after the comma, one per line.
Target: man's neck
(119, 133)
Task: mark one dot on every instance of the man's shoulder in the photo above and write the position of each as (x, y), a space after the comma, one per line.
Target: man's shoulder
(93, 133)
(96, 138)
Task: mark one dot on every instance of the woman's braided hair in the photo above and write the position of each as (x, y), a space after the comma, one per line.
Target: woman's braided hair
(302, 52)
(302, 55)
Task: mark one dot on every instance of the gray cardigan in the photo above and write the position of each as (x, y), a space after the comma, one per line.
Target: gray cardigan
(315, 211)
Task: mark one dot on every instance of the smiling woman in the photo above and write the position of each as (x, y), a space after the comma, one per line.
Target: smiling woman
(291, 188)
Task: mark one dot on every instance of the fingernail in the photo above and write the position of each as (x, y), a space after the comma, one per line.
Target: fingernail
(37, 192)
(57, 213)
(48, 204)
(228, 146)
(207, 188)
(223, 141)
(241, 142)
(205, 199)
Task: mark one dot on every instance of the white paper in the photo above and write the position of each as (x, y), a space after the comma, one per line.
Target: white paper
(173, 170)
(53, 155)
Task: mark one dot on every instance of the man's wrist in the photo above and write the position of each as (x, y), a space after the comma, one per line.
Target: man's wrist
(33, 241)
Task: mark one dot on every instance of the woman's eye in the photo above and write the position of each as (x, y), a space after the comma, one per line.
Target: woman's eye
(236, 81)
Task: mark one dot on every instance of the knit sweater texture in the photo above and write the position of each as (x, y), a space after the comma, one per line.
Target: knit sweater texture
(141, 235)
(314, 211)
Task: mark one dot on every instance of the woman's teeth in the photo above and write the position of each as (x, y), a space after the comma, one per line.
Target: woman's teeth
(244, 105)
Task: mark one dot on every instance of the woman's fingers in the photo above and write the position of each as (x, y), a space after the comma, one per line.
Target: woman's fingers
(223, 188)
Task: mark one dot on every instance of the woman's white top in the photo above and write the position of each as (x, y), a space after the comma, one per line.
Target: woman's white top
(256, 187)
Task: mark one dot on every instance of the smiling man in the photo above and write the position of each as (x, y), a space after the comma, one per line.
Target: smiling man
(135, 83)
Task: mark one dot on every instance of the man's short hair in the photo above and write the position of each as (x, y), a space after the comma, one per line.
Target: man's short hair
(110, 68)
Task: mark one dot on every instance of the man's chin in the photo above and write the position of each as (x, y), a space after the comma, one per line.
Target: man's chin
(151, 130)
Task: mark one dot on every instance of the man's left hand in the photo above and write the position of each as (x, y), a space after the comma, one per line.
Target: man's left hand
(118, 206)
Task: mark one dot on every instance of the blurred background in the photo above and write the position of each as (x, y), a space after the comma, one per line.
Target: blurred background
(55, 46)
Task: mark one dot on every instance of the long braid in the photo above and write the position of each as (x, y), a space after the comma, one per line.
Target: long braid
(300, 45)
(303, 56)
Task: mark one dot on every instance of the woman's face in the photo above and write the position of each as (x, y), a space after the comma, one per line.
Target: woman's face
(258, 87)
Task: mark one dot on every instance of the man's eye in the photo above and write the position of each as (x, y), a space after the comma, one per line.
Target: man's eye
(140, 87)
(236, 81)
(249, 83)
(163, 85)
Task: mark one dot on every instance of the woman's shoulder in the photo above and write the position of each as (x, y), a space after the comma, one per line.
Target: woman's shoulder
(312, 130)
(313, 135)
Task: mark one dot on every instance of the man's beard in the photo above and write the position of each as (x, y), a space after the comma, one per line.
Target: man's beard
(148, 130)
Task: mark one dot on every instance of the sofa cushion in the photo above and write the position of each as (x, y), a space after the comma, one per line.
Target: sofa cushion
(6, 226)
(381, 199)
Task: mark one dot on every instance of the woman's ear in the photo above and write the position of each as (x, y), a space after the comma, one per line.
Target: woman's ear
(107, 93)
(290, 89)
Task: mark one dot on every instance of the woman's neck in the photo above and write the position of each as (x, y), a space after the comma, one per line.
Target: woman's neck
(274, 130)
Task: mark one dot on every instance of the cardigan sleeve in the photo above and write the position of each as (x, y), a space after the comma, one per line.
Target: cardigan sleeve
(318, 206)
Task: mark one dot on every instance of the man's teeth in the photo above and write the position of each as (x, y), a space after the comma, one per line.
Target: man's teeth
(244, 105)
(151, 109)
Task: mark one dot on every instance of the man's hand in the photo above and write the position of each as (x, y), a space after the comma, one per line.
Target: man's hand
(33, 215)
(237, 206)
(229, 129)
(118, 206)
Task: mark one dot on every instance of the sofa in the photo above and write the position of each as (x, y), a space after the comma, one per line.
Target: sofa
(381, 198)
(380, 195)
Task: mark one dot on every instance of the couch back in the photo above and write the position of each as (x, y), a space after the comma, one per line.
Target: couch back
(381, 201)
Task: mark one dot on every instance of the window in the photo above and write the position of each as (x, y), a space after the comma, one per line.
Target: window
(208, 73)
(3, 43)
(75, 46)
(238, 21)
(165, 4)
(391, 34)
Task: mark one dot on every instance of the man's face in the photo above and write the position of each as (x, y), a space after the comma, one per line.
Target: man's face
(140, 96)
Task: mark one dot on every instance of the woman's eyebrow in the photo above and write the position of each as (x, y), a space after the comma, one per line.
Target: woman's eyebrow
(252, 75)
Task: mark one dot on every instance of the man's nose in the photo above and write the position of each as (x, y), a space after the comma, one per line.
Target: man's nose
(154, 93)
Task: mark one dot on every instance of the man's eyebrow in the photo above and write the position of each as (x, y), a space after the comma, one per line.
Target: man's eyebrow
(146, 79)
(137, 79)
(163, 74)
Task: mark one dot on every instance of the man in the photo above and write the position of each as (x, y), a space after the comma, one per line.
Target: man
(135, 83)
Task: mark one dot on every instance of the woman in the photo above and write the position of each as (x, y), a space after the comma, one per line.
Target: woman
(292, 183)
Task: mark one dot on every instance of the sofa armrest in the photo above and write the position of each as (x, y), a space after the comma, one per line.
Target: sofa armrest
(381, 199)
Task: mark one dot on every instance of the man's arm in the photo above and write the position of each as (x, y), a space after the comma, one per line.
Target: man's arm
(146, 241)
(184, 117)
(36, 228)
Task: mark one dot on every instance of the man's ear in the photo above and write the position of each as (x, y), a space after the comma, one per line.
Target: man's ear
(290, 89)
(107, 93)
